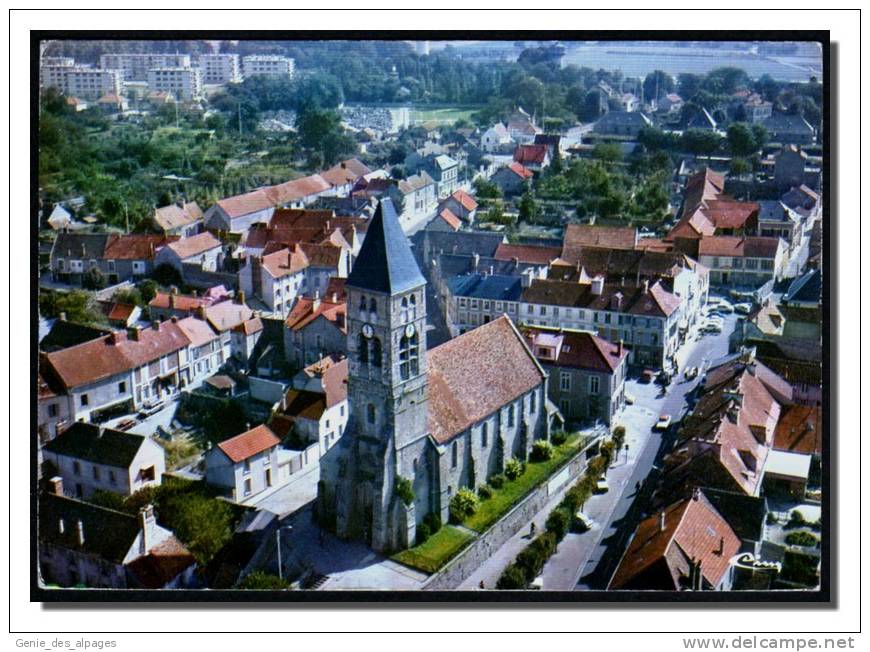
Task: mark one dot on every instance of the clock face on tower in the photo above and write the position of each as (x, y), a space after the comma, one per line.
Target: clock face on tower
(409, 330)
(367, 330)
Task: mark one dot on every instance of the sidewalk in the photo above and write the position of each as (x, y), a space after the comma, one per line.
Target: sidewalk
(562, 571)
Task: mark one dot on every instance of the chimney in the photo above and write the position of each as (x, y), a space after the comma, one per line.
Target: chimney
(60, 526)
(721, 550)
(475, 259)
(80, 532)
(696, 493)
(334, 297)
(343, 165)
(616, 301)
(115, 337)
(147, 522)
(619, 348)
(598, 285)
(55, 486)
(661, 521)
(136, 333)
(240, 297)
(646, 286)
(173, 290)
(174, 319)
(316, 303)
(516, 261)
(155, 324)
(62, 316)
(200, 312)
(172, 301)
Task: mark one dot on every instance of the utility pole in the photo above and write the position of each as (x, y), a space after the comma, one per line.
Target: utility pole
(240, 118)
(126, 219)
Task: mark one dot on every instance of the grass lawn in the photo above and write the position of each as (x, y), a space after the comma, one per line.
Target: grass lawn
(502, 500)
(444, 116)
(436, 551)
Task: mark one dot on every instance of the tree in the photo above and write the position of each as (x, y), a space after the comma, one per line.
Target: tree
(93, 279)
(321, 132)
(607, 152)
(759, 134)
(688, 85)
(700, 142)
(203, 524)
(657, 84)
(528, 208)
(148, 290)
(76, 305)
(486, 189)
(165, 274)
(739, 166)
(725, 80)
(741, 139)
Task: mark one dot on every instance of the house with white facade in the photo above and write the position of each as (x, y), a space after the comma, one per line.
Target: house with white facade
(88, 458)
(203, 250)
(244, 465)
(277, 278)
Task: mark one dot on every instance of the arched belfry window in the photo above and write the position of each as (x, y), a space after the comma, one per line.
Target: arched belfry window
(363, 349)
(362, 304)
(373, 305)
(370, 413)
(404, 312)
(409, 356)
(376, 352)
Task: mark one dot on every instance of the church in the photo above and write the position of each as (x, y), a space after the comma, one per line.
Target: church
(441, 420)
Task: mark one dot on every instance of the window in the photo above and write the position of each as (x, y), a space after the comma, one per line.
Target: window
(77, 468)
(565, 381)
(498, 306)
(594, 383)
(736, 262)
(122, 387)
(148, 473)
(511, 415)
(484, 435)
(376, 352)
(247, 467)
(363, 346)
(341, 410)
(533, 402)
(373, 305)
(454, 455)
(751, 263)
(52, 410)
(409, 352)
(96, 472)
(370, 413)
(247, 486)
(112, 478)
(542, 310)
(362, 304)
(767, 264)
(83, 399)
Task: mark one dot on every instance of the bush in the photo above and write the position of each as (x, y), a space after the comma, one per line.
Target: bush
(404, 490)
(462, 505)
(619, 436)
(423, 533)
(496, 481)
(559, 437)
(532, 559)
(484, 492)
(514, 468)
(512, 578)
(558, 522)
(433, 522)
(258, 580)
(542, 451)
(801, 539)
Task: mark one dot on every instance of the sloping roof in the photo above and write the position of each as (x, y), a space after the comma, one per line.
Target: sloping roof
(303, 404)
(194, 245)
(135, 246)
(182, 302)
(480, 286)
(613, 119)
(197, 331)
(738, 246)
(226, 315)
(115, 311)
(80, 246)
(617, 263)
(787, 123)
(385, 262)
(477, 373)
(248, 444)
(298, 189)
(345, 172)
(249, 202)
(655, 301)
(107, 534)
(305, 311)
(465, 200)
(452, 221)
(285, 262)
(527, 253)
(163, 563)
(64, 334)
(334, 381)
(693, 530)
(584, 235)
(575, 349)
(799, 430)
(806, 288)
(175, 216)
(90, 442)
(534, 154)
(483, 243)
(415, 182)
(519, 170)
(249, 327)
(115, 353)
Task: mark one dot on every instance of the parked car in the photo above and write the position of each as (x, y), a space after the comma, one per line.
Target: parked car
(726, 308)
(582, 523)
(742, 308)
(629, 399)
(537, 583)
(691, 373)
(663, 422)
(647, 376)
(601, 487)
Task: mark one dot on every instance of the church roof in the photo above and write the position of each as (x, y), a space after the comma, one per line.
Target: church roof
(385, 262)
(476, 374)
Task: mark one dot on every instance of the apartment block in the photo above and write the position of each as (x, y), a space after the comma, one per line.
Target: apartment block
(269, 65)
(184, 83)
(136, 66)
(220, 68)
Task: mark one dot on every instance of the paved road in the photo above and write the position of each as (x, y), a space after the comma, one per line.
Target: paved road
(629, 509)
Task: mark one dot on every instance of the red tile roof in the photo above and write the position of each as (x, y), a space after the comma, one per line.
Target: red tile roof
(520, 171)
(285, 262)
(226, 315)
(576, 349)
(304, 312)
(286, 218)
(197, 331)
(534, 154)
(336, 286)
(174, 216)
(135, 246)
(465, 200)
(119, 311)
(452, 221)
(345, 172)
(655, 301)
(584, 235)
(334, 381)
(249, 202)
(194, 245)
(249, 443)
(181, 302)
(249, 327)
(163, 563)
(527, 253)
(799, 430)
(114, 354)
(693, 531)
(477, 373)
(738, 246)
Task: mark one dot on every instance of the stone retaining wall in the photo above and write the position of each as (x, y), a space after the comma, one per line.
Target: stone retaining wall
(481, 549)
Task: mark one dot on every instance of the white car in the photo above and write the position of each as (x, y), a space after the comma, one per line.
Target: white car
(711, 327)
(629, 399)
(663, 422)
(601, 487)
(582, 523)
(742, 308)
(725, 307)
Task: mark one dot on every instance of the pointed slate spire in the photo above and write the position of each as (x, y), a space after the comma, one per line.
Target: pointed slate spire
(385, 262)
